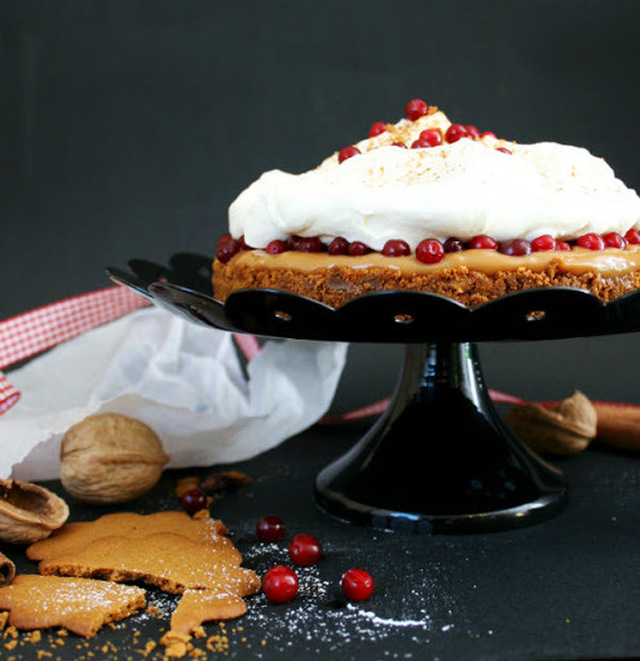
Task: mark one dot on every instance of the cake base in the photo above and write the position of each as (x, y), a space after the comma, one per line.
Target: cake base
(469, 279)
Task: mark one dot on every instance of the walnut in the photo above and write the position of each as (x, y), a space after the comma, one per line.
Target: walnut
(29, 512)
(566, 428)
(110, 458)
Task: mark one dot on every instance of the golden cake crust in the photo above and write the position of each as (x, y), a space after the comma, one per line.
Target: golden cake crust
(334, 283)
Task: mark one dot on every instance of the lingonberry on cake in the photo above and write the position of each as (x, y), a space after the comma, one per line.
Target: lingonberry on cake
(451, 216)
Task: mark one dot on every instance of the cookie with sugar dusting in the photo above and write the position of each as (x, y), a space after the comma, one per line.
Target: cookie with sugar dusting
(127, 524)
(198, 606)
(81, 605)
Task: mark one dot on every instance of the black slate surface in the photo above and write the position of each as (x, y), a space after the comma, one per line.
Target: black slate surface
(564, 589)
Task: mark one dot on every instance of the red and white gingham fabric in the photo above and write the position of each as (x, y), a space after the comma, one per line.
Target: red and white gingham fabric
(33, 332)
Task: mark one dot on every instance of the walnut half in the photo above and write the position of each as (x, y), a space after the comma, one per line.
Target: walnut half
(110, 458)
(29, 512)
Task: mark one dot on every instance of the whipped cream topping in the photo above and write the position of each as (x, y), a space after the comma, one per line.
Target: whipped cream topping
(461, 189)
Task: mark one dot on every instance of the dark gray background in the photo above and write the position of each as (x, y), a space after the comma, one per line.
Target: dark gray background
(128, 127)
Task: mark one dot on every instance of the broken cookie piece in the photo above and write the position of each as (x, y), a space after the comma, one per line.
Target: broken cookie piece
(198, 606)
(81, 605)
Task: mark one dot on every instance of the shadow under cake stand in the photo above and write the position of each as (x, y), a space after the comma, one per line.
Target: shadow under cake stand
(440, 459)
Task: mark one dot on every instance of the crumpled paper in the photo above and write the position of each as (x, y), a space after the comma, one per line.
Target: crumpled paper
(187, 382)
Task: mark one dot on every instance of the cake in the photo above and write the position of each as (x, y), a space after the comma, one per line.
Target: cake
(429, 205)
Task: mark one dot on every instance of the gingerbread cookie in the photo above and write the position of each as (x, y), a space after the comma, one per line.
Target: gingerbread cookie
(198, 606)
(124, 524)
(80, 605)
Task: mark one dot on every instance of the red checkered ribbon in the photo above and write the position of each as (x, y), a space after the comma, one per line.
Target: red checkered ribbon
(36, 331)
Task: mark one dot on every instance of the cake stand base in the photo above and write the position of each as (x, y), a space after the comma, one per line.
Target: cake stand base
(440, 459)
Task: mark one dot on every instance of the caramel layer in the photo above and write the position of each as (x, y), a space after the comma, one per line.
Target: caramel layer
(608, 263)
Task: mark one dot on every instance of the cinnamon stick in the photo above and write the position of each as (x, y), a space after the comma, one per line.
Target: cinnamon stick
(7, 570)
(619, 426)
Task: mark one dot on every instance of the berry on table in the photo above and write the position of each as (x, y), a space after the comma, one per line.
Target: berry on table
(347, 152)
(429, 251)
(193, 501)
(357, 584)
(280, 584)
(304, 550)
(396, 248)
(415, 109)
(270, 528)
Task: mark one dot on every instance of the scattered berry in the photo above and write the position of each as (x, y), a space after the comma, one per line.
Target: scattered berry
(416, 108)
(276, 247)
(614, 240)
(516, 248)
(453, 245)
(347, 152)
(377, 128)
(310, 244)
(432, 136)
(227, 249)
(455, 132)
(483, 242)
(562, 245)
(429, 251)
(357, 584)
(543, 242)
(357, 248)
(591, 241)
(633, 236)
(270, 528)
(280, 584)
(396, 248)
(339, 246)
(193, 501)
(304, 550)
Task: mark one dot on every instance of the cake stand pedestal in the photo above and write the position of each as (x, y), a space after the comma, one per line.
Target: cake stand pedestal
(440, 459)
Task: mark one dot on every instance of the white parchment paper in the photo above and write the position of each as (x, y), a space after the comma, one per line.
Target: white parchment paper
(185, 381)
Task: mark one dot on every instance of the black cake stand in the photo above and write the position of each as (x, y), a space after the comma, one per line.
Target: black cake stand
(439, 459)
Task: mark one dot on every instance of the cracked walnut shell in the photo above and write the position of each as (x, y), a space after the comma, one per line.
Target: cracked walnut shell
(110, 458)
(29, 512)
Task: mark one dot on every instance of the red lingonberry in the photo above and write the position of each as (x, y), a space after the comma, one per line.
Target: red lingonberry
(633, 236)
(227, 249)
(310, 244)
(224, 238)
(280, 584)
(339, 246)
(504, 150)
(483, 242)
(398, 144)
(420, 144)
(276, 246)
(357, 248)
(270, 528)
(293, 241)
(452, 244)
(591, 241)
(488, 134)
(357, 584)
(431, 136)
(377, 128)
(304, 550)
(515, 248)
(347, 152)
(614, 240)
(543, 242)
(193, 501)
(396, 248)
(429, 251)
(473, 131)
(455, 132)
(562, 245)
(416, 108)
